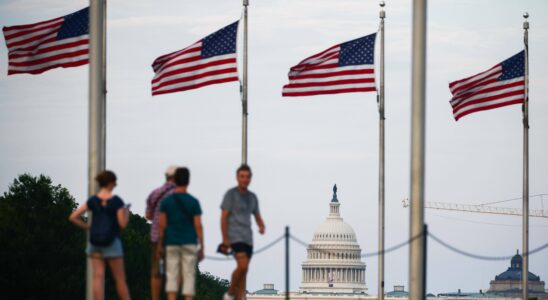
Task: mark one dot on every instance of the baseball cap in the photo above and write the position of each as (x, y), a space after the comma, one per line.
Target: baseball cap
(170, 171)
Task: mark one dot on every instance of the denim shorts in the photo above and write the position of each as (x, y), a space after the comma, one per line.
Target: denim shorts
(110, 251)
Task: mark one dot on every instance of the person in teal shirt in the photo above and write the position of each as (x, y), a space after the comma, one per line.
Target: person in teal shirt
(182, 234)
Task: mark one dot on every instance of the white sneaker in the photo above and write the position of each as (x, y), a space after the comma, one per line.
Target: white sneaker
(227, 296)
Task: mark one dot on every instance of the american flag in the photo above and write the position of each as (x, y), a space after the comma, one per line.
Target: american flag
(61, 42)
(209, 61)
(345, 68)
(502, 85)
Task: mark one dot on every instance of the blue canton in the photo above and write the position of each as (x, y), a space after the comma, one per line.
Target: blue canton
(221, 42)
(74, 25)
(513, 67)
(360, 51)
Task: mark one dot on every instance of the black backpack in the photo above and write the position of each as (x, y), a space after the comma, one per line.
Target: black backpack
(103, 227)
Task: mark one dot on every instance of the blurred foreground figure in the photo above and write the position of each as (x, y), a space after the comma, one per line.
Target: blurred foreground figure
(109, 215)
(238, 205)
(182, 234)
(153, 214)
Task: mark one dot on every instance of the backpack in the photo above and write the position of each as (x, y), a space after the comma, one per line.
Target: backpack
(103, 227)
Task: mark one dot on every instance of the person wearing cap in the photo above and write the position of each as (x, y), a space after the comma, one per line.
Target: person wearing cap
(153, 214)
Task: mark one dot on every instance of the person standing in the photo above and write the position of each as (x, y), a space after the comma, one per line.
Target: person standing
(153, 214)
(182, 233)
(238, 205)
(109, 215)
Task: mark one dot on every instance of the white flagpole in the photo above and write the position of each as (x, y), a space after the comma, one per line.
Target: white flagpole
(417, 249)
(382, 15)
(244, 88)
(525, 212)
(97, 105)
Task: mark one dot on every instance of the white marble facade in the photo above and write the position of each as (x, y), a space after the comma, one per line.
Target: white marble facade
(333, 263)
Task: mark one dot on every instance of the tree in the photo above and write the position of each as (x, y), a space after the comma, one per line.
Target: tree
(42, 255)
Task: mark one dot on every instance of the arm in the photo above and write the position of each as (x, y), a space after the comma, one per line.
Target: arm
(149, 212)
(123, 217)
(260, 223)
(76, 216)
(224, 226)
(200, 233)
(161, 233)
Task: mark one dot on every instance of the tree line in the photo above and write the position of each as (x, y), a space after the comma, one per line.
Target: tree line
(42, 254)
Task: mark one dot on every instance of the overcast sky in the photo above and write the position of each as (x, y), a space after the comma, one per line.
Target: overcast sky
(299, 147)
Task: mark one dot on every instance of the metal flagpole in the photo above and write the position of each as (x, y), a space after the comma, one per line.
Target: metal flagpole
(417, 272)
(287, 235)
(382, 15)
(97, 105)
(244, 89)
(525, 213)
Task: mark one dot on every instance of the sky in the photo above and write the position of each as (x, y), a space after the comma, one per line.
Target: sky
(299, 147)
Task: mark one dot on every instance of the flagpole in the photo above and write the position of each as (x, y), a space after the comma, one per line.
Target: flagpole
(525, 212)
(382, 15)
(97, 106)
(244, 89)
(417, 235)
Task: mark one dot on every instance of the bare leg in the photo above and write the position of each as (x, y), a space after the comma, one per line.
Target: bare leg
(155, 287)
(117, 268)
(98, 267)
(237, 283)
(172, 296)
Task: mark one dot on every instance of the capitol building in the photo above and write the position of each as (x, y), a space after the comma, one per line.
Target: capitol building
(333, 266)
(333, 263)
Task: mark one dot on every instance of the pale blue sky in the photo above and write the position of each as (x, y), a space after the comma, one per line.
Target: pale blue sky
(299, 147)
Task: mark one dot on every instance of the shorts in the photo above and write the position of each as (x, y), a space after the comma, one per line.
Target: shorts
(111, 251)
(181, 258)
(242, 247)
(154, 261)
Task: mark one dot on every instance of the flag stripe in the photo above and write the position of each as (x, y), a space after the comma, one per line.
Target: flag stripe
(489, 105)
(488, 88)
(195, 65)
(455, 86)
(328, 92)
(45, 48)
(491, 97)
(68, 63)
(196, 84)
(197, 74)
(336, 72)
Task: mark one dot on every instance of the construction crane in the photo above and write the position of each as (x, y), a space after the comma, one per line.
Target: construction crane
(482, 208)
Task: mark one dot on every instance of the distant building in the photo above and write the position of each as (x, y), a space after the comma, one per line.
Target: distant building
(398, 292)
(334, 263)
(508, 283)
(268, 289)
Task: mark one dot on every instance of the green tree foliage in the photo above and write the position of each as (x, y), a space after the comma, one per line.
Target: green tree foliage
(209, 287)
(42, 254)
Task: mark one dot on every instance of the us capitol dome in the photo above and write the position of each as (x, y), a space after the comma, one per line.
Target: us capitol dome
(333, 263)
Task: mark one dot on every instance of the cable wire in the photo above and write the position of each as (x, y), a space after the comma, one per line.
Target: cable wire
(258, 251)
(481, 257)
(364, 255)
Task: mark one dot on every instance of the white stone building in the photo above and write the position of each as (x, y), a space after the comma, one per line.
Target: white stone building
(333, 263)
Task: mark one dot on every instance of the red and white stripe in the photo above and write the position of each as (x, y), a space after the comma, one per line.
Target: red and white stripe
(321, 74)
(485, 91)
(186, 69)
(34, 48)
